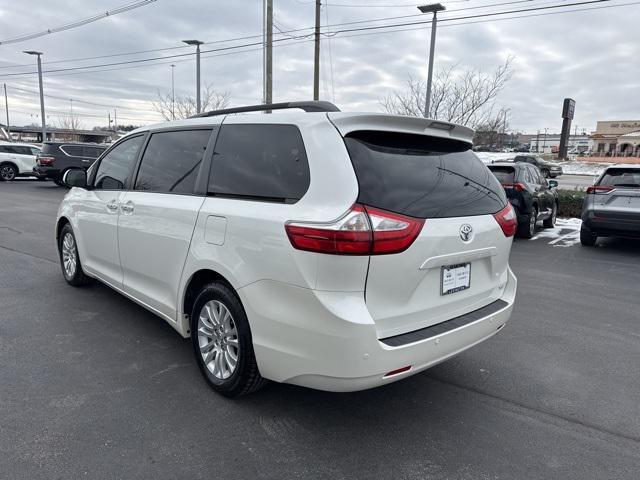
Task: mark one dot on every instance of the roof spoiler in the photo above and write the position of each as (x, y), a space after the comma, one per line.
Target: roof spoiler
(307, 106)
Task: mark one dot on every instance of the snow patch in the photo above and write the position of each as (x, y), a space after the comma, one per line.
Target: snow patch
(566, 233)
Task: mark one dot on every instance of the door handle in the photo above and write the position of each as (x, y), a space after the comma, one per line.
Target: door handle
(112, 205)
(127, 207)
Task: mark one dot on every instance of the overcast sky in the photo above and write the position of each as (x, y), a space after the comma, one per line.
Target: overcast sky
(593, 57)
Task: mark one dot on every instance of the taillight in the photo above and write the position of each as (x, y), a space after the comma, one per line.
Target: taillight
(46, 160)
(361, 231)
(600, 189)
(507, 220)
(515, 186)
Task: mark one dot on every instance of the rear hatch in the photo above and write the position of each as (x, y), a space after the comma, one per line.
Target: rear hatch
(458, 262)
(617, 194)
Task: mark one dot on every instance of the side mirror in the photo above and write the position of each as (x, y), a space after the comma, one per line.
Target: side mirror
(75, 178)
(553, 183)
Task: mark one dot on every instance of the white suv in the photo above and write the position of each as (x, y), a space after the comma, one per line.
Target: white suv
(338, 251)
(17, 159)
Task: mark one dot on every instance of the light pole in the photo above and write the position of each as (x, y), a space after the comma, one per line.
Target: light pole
(197, 43)
(435, 8)
(173, 94)
(544, 140)
(44, 124)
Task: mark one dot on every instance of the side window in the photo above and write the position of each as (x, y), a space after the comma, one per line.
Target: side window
(260, 161)
(72, 150)
(34, 151)
(172, 160)
(4, 149)
(537, 177)
(116, 166)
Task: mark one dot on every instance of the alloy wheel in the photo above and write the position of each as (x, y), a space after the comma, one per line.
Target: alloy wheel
(69, 255)
(7, 173)
(218, 339)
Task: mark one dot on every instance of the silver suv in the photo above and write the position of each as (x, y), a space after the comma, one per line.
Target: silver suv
(337, 251)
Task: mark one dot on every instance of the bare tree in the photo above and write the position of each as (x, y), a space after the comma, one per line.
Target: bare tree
(185, 105)
(463, 97)
(492, 131)
(69, 121)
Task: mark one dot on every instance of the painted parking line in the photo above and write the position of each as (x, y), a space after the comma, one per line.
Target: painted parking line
(566, 233)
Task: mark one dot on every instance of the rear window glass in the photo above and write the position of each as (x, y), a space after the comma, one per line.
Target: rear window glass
(266, 162)
(622, 177)
(504, 174)
(421, 176)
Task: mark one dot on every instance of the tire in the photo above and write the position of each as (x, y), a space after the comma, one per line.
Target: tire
(59, 183)
(527, 228)
(587, 237)
(70, 259)
(8, 172)
(551, 221)
(545, 173)
(216, 337)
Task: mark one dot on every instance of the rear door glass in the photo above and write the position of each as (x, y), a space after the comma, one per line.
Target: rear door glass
(421, 176)
(265, 162)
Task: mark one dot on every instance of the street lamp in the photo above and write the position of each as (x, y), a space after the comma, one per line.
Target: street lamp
(44, 125)
(435, 8)
(173, 94)
(197, 43)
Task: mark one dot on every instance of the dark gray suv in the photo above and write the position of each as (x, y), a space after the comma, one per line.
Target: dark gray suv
(612, 205)
(58, 157)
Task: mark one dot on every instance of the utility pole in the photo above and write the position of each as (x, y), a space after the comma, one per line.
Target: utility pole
(197, 44)
(115, 119)
(6, 106)
(173, 94)
(44, 125)
(109, 117)
(544, 141)
(268, 88)
(316, 55)
(435, 8)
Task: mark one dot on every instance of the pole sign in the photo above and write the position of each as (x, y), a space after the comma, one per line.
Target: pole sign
(568, 108)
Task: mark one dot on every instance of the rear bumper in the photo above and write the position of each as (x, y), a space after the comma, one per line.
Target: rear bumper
(328, 340)
(612, 223)
(46, 172)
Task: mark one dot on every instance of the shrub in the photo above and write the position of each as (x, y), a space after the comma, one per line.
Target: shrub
(570, 203)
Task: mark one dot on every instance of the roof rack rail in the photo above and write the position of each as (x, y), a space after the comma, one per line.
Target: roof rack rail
(307, 106)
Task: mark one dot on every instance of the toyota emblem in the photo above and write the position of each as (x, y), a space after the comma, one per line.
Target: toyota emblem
(466, 231)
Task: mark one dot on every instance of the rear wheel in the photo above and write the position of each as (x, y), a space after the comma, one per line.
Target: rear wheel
(222, 342)
(70, 259)
(551, 221)
(527, 228)
(587, 237)
(8, 172)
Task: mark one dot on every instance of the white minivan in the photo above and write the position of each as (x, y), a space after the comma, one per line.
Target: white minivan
(17, 159)
(338, 251)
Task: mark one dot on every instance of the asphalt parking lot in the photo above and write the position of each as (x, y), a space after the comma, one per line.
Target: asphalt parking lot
(93, 386)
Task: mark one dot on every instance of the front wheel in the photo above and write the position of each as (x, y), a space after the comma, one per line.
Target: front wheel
(70, 259)
(222, 342)
(8, 172)
(587, 237)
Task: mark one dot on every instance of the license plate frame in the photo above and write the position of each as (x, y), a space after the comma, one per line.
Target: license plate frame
(460, 280)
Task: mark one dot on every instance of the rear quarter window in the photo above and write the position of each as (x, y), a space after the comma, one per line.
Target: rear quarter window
(262, 162)
(421, 176)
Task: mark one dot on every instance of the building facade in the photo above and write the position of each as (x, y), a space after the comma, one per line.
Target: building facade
(618, 138)
(550, 143)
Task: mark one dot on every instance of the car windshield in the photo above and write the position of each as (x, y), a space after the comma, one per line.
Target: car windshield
(621, 177)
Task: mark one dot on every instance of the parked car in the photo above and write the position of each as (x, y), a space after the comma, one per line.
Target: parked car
(17, 160)
(534, 197)
(522, 148)
(548, 169)
(58, 157)
(337, 251)
(612, 205)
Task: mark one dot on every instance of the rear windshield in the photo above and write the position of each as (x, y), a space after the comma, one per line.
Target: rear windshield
(420, 176)
(504, 174)
(622, 177)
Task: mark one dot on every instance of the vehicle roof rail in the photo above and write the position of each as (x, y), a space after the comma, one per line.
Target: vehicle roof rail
(307, 106)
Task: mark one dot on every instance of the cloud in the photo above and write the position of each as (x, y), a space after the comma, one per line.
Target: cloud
(589, 56)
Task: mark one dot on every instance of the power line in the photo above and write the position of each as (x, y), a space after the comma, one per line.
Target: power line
(285, 33)
(78, 23)
(25, 90)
